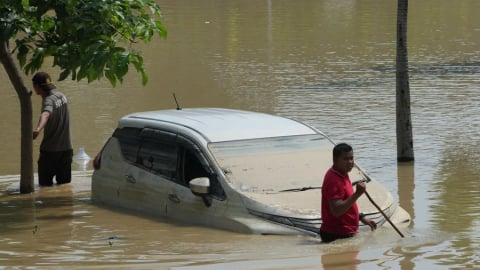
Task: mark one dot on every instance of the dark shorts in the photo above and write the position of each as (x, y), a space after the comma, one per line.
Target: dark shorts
(58, 164)
(330, 237)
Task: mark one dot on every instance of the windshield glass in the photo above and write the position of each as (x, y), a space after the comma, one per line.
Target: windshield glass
(276, 164)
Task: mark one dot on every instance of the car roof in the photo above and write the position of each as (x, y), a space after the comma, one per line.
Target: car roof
(219, 124)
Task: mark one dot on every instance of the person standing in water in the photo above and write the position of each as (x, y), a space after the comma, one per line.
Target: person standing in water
(56, 149)
(340, 215)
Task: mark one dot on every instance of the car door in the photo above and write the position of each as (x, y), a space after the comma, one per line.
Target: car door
(182, 204)
(155, 168)
(125, 178)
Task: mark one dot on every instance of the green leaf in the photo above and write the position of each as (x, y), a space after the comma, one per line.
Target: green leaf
(122, 64)
(144, 78)
(25, 4)
(111, 77)
(92, 74)
(64, 74)
(22, 54)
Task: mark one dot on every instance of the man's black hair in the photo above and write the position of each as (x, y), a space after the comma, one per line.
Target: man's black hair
(43, 80)
(341, 148)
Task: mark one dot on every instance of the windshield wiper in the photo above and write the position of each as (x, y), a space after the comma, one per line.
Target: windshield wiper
(308, 188)
(299, 189)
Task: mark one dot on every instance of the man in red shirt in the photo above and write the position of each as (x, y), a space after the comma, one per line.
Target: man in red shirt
(340, 216)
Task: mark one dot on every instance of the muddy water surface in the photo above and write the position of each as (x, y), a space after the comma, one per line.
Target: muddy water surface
(328, 63)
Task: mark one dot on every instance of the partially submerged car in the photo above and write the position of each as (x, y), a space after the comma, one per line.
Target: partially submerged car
(236, 170)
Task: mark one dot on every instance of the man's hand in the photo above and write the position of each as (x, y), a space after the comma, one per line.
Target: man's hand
(35, 134)
(361, 187)
(369, 222)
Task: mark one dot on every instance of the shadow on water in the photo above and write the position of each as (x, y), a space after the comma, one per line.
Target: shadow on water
(462, 68)
(384, 76)
(459, 68)
(20, 212)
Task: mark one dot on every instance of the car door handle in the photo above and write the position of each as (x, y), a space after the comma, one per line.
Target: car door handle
(173, 198)
(130, 179)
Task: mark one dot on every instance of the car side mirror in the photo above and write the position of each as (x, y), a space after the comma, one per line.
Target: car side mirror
(200, 186)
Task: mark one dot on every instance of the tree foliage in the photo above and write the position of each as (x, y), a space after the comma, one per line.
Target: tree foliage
(87, 39)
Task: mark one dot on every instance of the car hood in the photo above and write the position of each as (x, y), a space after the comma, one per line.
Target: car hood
(307, 204)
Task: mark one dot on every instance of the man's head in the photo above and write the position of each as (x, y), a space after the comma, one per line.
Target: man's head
(42, 82)
(343, 158)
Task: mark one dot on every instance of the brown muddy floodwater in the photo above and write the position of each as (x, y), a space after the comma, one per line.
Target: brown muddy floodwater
(329, 63)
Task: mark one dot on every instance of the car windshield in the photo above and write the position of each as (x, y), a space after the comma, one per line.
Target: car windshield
(275, 164)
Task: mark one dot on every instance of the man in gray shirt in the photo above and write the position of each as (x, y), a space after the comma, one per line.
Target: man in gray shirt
(56, 149)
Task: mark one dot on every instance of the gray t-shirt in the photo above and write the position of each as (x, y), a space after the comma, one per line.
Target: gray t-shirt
(56, 134)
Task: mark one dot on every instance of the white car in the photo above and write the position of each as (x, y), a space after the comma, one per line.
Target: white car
(236, 170)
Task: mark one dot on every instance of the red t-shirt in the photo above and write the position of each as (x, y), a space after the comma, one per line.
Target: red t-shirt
(338, 186)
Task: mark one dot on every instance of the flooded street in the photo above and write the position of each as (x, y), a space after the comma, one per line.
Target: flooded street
(328, 63)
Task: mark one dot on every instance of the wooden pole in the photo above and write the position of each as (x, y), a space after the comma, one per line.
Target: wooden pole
(384, 215)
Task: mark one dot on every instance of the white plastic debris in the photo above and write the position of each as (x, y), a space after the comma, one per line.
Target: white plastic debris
(81, 158)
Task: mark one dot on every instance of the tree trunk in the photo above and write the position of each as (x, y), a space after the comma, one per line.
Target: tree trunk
(24, 96)
(404, 122)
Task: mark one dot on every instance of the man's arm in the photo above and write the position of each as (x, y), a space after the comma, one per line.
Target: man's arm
(339, 207)
(41, 123)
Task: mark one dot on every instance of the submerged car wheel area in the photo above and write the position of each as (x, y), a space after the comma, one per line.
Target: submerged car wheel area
(235, 170)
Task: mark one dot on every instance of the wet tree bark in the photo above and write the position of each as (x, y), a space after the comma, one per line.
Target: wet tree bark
(403, 113)
(26, 140)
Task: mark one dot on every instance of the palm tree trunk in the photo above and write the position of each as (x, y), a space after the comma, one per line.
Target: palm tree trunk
(24, 96)
(404, 122)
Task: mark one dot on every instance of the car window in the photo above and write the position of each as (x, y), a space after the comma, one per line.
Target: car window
(129, 142)
(192, 168)
(194, 165)
(158, 151)
(159, 156)
(157, 134)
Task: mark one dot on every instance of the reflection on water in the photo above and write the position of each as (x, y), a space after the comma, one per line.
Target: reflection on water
(457, 191)
(326, 62)
(406, 188)
(347, 260)
(456, 208)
